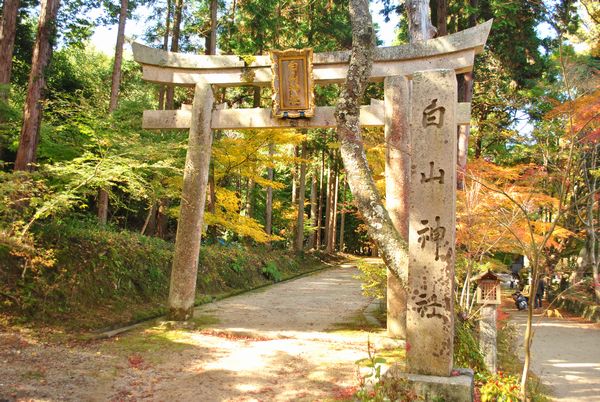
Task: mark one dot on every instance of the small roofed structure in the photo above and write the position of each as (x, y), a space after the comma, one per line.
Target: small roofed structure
(488, 288)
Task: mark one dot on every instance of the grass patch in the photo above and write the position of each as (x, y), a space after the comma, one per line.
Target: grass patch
(356, 323)
(101, 278)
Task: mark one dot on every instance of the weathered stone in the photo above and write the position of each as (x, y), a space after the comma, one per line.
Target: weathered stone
(487, 335)
(458, 388)
(397, 166)
(191, 216)
(454, 51)
(430, 313)
(472, 38)
(232, 119)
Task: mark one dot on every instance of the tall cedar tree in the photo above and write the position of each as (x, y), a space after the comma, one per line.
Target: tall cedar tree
(8, 27)
(32, 112)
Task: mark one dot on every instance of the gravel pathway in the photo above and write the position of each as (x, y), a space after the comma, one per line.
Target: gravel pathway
(279, 343)
(566, 356)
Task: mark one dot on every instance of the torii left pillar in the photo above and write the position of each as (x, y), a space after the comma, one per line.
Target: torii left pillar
(182, 291)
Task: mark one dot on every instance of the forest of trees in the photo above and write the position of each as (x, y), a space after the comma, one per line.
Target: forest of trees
(72, 147)
(73, 154)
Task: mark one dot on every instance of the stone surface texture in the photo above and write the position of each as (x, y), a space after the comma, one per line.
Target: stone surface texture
(487, 335)
(193, 197)
(397, 166)
(432, 220)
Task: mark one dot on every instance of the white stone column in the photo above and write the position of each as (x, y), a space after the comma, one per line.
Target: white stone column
(432, 219)
(397, 166)
(487, 335)
(182, 291)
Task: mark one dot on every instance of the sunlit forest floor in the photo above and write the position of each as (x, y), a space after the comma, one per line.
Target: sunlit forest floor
(298, 340)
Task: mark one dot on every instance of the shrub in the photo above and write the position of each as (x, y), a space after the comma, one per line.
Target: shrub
(500, 388)
(374, 279)
(466, 348)
(271, 272)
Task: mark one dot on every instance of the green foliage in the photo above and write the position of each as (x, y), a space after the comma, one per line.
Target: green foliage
(373, 277)
(375, 387)
(466, 348)
(271, 272)
(500, 388)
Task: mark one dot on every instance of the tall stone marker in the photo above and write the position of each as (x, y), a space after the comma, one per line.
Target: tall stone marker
(432, 206)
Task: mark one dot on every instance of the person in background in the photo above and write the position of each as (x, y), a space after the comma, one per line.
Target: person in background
(539, 293)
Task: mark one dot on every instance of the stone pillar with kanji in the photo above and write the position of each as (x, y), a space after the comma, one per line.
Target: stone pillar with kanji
(432, 219)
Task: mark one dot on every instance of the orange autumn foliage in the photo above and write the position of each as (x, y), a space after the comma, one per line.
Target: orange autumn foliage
(500, 210)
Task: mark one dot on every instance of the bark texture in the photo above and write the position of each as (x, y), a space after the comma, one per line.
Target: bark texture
(269, 200)
(8, 26)
(360, 179)
(162, 89)
(419, 22)
(169, 101)
(32, 112)
(191, 217)
(299, 243)
(102, 206)
(116, 74)
(313, 210)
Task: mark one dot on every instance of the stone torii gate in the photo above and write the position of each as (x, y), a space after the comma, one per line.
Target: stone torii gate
(420, 114)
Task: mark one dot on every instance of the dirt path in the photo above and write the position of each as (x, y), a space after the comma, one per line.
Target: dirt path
(293, 341)
(566, 356)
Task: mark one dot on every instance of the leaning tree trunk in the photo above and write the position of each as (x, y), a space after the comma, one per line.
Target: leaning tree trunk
(379, 225)
(8, 28)
(32, 112)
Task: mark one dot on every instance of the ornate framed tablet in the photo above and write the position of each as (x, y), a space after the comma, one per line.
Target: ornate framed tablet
(293, 84)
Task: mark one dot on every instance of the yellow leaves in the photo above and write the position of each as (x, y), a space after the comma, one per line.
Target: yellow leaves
(228, 217)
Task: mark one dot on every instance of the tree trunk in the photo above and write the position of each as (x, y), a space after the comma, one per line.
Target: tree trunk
(150, 221)
(163, 88)
(191, 217)
(211, 39)
(419, 24)
(269, 200)
(32, 112)
(329, 206)
(8, 26)
(116, 74)
(379, 225)
(162, 219)
(249, 198)
(174, 48)
(102, 206)
(320, 209)
(299, 243)
(442, 17)
(294, 178)
(334, 210)
(342, 216)
(313, 210)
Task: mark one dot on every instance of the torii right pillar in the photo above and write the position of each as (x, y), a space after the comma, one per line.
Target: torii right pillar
(431, 239)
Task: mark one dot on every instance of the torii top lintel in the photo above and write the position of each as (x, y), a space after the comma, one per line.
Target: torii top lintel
(455, 51)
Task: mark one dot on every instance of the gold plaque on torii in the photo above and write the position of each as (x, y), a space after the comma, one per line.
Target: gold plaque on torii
(293, 84)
